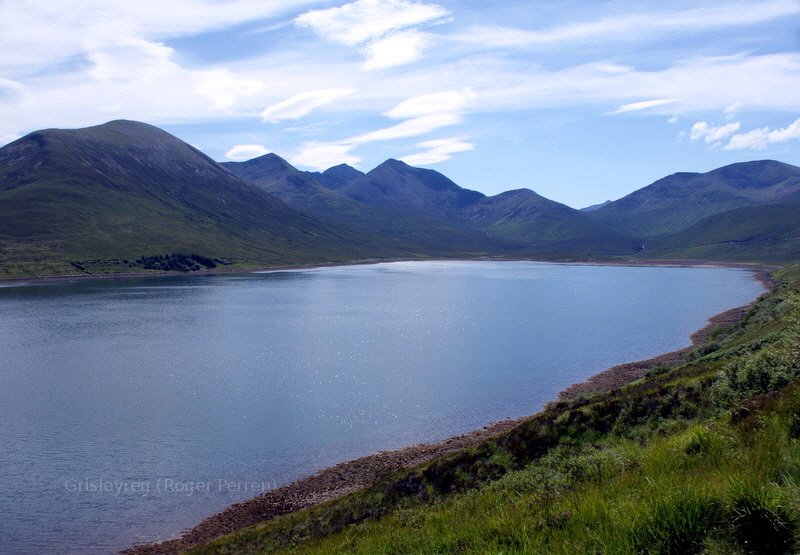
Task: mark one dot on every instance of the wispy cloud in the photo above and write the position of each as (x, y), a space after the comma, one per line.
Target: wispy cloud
(438, 150)
(763, 137)
(325, 155)
(44, 33)
(417, 68)
(643, 105)
(302, 104)
(409, 128)
(396, 49)
(712, 134)
(12, 90)
(633, 26)
(444, 102)
(238, 153)
(384, 30)
(224, 88)
(422, 114)
(364, 20)
(699, 83)
(131, 59)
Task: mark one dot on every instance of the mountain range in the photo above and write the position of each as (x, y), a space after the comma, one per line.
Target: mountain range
(103, 198)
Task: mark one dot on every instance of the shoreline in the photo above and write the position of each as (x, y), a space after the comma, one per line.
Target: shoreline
(349, 476)
(759, 269)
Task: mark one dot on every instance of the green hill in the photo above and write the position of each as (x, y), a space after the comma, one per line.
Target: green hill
(540, 225)
(678, 201)
(768, 233)
(115, 192)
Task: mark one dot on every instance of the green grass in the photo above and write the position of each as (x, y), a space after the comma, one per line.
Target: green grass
(702, 457)
(756, 233)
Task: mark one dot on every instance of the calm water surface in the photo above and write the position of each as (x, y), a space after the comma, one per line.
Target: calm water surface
(130, 409)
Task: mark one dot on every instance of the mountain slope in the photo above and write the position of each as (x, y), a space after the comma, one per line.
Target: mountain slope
(397, 185)
(680, 200)
(398, 230)
(769, 233)
(338, 176)
(423, 204)
(542, 225)
(300, 190)
(594, 207)
(126, 189)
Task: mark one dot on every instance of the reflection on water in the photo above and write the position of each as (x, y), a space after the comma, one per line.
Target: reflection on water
(112, 389)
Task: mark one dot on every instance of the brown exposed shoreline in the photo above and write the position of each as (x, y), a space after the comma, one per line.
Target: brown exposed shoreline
(349, 476)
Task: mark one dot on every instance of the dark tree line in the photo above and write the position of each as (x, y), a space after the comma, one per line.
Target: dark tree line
(178, 262)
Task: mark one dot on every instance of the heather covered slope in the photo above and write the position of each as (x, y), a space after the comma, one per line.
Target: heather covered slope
(678, 201)
(127, 189)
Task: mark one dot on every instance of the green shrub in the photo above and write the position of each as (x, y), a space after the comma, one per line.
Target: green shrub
(760, 523)
(676, 524)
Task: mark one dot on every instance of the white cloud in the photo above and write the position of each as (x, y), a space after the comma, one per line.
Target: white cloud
(701, 83)
(424, 113)
(365, 20)
(438, 150)
(633, 26)
(763, 137)
(393, 50)
(224, 88)
(134, 61)
(408, 128)
(711, 134)
(643, 105)
(322, 156)
(384, 30)
(12, 91)
(302, 104)
(673, 119)
(434, 103)
(181, 86)
(44, 33)
(733, 109)
(131, 59)
(238, 153)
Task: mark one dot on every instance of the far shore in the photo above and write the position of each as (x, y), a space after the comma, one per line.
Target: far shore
(760, 269)
(346, 477)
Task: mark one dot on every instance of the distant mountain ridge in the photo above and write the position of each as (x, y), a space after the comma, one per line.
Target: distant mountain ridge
(678, 201)
(516, 221)
(97, 199)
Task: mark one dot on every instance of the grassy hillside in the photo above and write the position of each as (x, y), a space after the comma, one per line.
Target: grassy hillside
(679, 201)
(768, 233)
(115, 192)
(699, 457)
(536, 224)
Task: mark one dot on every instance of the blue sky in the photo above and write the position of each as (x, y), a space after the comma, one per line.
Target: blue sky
(579, 101)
